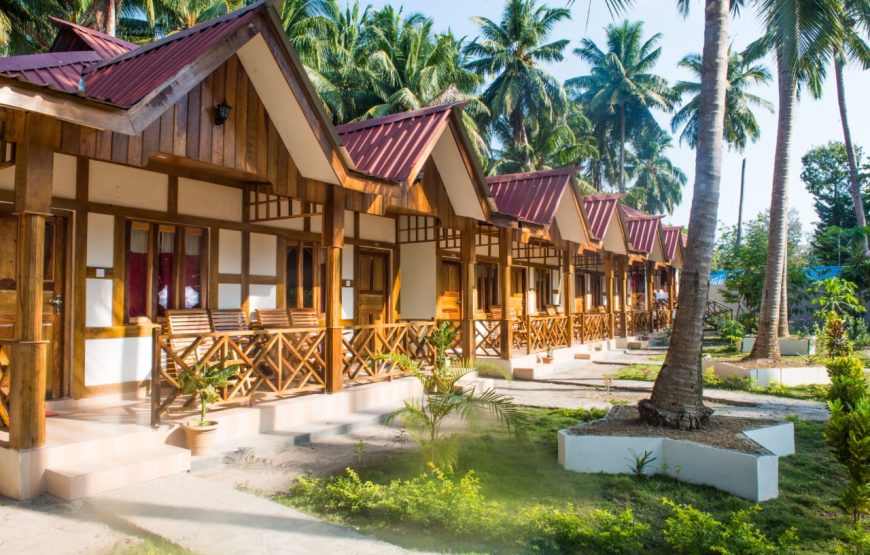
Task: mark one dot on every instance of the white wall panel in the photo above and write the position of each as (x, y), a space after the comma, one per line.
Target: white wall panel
(207, 200)
(347, 262)
(264, 249)
(418, 291)
(98, 296)
(101, 240)
(229, 295)
(112, 361)
(376, 228)
(229, 251)
(262, 296)
(123, 186)
(63, 183)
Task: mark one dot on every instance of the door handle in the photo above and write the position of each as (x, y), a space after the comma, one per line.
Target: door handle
(57, 301)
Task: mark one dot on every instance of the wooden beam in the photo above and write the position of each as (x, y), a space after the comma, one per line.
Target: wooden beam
(623, 295)
(650, 293)
(333, 240)
(468, 258)
(79, 277)
(33, 181)
(505, 265)
(568, 289)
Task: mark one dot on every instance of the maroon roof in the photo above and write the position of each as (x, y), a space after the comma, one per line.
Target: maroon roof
(599, 211)
(390, 147)
(58, 70)
(671, 236)
(126, 79)
(641, 228)
(532, 196)
(73, 37)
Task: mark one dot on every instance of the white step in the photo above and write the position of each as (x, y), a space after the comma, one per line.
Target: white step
(90, 477)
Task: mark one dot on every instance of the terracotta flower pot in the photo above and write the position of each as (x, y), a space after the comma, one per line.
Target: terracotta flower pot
(547, 360)
(200, 438)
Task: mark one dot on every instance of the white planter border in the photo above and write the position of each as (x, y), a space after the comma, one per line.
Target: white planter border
(753, 476)
(800, 375)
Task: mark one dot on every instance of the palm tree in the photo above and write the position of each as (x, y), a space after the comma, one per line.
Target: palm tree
(801, 34)
(676, 398)
(658, 183)
(854, 19)
(621, 85)
(513, 51)
(307, 24)
(184, 14)
(740, 123)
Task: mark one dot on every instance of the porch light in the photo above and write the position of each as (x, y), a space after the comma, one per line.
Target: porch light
(222, 113)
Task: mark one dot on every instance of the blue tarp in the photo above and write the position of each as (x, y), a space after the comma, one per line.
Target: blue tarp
(817, 273)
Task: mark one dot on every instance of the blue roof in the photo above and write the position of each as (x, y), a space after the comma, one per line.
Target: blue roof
(817, 273)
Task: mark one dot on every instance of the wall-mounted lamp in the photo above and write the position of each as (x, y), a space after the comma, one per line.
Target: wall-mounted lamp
(222, 113)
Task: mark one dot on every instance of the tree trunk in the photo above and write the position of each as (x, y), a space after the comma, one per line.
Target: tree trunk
(518, 126)
(677, 394)
(622, 148)
(111, 18)
(740, 206)
(854, 180)
(766, 342)
(783, 330)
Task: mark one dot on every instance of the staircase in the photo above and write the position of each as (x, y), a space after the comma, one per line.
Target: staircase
(713, 311)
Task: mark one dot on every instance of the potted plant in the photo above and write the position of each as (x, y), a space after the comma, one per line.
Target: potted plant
(204, 381)
(549, 358)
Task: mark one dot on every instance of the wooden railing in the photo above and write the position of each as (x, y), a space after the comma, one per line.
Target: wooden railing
(547, 332)
(362, 344)
(592, 326)
(487, 338)
(455, 350)
(277, 361)
(663, 317)
(5, 364)
(640, 322)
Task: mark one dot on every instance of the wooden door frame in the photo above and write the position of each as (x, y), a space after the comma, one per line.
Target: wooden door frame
(388, 282)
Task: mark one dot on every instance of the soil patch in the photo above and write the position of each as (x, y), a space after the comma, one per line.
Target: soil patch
(721, 431)
(796, 362)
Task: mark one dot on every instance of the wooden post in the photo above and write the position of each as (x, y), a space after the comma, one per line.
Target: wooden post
(33, 180)
(155, 376)
(468, 257)
(608, 286)
(623, 296)
(505, 260)
(568, 289)
(333, 240)
(651, 293)
(672, 282)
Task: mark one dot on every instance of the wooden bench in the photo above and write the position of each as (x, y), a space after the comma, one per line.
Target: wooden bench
(228, 320)
(180, 322)
(273, 318)
(304, 318)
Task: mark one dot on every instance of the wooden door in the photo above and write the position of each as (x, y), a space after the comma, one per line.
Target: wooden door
(373, 286)
(450, 284)
(54, 294)
(518, 291)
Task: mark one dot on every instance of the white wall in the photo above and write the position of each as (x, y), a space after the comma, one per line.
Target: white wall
(123, 186)
(229, 295)
(263, 255)
(376, 228)
(419, 270)
(347, 272)
(262, 296)
(101, 240)
(98, 295)
(111, 361)
(229, 251)
(63, 183)
(207, 200)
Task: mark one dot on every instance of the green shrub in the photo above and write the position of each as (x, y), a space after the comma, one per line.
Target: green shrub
(857, 542)
(555, 531)
(858, 332)
(731, 331)
(692, 532)
(836, 342)
(847, 380)
(711, 379)
(848, 435)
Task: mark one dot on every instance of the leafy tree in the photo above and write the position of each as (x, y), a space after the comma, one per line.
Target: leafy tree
(658, 183)
(744, 71)
(836, 295)
(621, 88)
(512, 52)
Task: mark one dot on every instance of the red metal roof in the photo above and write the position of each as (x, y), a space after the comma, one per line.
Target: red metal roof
(390, 147)
(126, 79)
(58, 70)
(671, 236)
(533, 196)
(641, 228)
(599, 211)
(72, 37)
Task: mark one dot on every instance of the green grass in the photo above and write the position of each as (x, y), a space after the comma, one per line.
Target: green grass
(641, 372)
(519, 473)
(151, 546)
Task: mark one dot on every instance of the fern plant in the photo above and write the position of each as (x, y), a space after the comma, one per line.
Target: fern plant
(205, 381)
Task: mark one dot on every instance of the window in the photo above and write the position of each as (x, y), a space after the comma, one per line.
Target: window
(543, 288)
(165, 269)
(306, 269)
(487, 285)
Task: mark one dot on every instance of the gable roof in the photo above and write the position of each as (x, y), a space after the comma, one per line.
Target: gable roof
(642, 229)
(531, 196)
(671, 236)
(72, 37)
(599, 212)
(392, 147)
(57, 70)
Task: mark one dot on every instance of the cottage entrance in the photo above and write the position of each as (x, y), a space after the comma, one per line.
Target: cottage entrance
(373, 286)
(54, 295)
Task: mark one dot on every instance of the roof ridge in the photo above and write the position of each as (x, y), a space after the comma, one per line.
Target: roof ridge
(527, 175)
(392, 118)
(105, 36)
(150, 47)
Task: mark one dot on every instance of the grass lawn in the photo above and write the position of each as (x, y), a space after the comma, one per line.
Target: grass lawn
(520, 473)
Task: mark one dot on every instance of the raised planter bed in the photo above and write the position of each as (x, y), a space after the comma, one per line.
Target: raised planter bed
(744, 463)
(788, 346)
(798, 375)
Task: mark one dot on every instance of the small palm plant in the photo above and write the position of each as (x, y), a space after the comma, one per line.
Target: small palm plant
(205, 381)
(444, 396)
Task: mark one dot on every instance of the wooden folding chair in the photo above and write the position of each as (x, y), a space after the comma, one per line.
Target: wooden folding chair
(304, 318)
(273, 318)
(228, 320)
(189, 322)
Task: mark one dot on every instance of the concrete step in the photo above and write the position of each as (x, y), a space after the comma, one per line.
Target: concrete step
(89, 477)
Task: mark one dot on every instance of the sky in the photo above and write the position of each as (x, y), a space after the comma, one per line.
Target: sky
(817, 121)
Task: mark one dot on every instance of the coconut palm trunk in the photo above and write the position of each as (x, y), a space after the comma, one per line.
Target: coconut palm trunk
(766, 341)
(854, 180)
(676, 399)
(622, 148)
(783, 330)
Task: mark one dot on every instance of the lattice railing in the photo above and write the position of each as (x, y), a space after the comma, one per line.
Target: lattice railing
(591, 327)
(276, 361)
(663, 317)
(640, 322)
(547, 332)
(455, 350)
(361, 346)
(5, 358)
(487, 338)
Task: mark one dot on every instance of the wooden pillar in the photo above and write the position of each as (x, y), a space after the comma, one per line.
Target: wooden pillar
(608, 286)
(468, 257)
(505, 263)
(333, 240)
(672, 289)
(568, 289)
(651, 293)
(623, 295)
(33, 178)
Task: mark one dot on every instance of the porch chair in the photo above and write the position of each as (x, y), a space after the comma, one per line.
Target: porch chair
(551, 310)
(189, 322)
(273, 318)
(228, 320)
(304, 318)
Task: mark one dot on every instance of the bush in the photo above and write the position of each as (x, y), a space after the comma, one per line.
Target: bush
(711, 379)
(731, 331)
(835, 341)
(858, 332)
(692, 532)
(555, 531)
(848, 435)
(847, 380)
